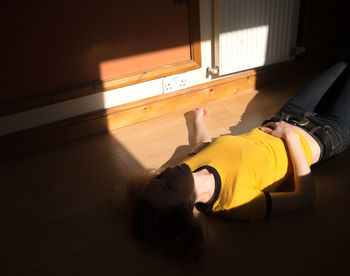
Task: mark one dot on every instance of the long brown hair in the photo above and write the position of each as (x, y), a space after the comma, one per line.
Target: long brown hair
(129, 188)
(172, 231)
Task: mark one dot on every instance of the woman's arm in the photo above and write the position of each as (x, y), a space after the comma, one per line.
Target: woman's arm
(201, 134)
(304, 194)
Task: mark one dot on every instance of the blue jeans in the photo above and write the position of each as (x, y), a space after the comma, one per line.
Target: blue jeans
(326, 103)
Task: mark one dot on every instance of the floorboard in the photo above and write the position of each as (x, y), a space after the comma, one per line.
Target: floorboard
(59, 218)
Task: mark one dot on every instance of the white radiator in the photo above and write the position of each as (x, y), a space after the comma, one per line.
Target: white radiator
(252, 33)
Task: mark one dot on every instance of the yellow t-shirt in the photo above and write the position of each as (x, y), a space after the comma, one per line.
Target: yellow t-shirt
(245, 166)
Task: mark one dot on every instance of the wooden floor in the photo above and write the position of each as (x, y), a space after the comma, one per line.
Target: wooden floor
(58, 218)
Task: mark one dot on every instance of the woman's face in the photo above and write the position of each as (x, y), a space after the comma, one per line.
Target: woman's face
(174, 187)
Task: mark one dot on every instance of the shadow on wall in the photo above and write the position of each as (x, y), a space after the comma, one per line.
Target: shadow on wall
(58, 45)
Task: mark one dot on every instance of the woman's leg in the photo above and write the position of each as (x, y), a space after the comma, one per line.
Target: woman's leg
(334, 109)
(310, 96)
(336, 102)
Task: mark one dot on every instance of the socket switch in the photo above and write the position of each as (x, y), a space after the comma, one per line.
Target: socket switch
(174, 83)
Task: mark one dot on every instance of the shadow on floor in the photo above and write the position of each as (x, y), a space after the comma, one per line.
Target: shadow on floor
(59, 219)
(311, 242)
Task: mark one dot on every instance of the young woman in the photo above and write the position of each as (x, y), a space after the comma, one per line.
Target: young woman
(238, 176)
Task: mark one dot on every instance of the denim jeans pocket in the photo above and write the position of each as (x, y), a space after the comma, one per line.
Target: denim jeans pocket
(335, 138)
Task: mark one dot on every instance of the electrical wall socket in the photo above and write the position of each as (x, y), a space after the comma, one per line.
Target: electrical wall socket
(174, 83)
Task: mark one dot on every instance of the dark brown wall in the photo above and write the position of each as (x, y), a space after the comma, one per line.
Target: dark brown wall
(53, 45)
(324, 29)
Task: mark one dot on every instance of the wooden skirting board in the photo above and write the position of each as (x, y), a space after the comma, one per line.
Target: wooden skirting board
(84, 126)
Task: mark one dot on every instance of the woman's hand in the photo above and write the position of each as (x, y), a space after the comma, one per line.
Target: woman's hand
(199, 112)
(304, 194)
(278, 129)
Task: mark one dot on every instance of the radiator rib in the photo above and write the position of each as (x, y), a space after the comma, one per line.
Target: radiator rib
(253, 33)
